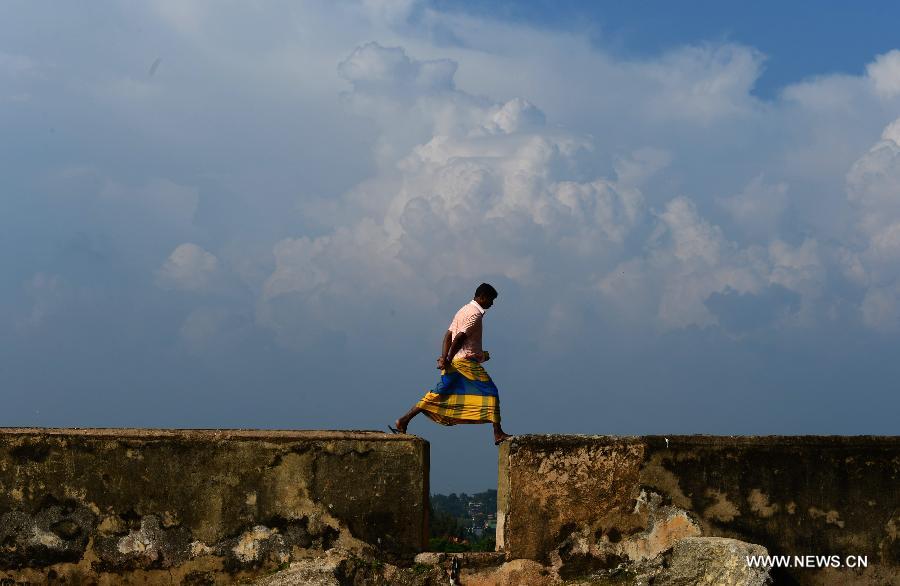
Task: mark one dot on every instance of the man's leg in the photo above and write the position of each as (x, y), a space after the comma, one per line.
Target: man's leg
(404, 421)
(499, 434)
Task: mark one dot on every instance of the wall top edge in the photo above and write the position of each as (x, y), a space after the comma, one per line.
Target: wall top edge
(211, 433)
(674, 441)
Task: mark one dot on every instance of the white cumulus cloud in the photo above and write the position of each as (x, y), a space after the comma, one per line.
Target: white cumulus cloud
(374, 68)
(689, 259)
(189, 268)
(885, 74)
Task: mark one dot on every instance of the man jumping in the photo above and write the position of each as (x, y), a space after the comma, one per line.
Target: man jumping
(465, 393)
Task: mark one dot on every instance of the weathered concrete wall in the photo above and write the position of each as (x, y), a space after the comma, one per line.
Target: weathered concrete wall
(118, 506)
(628, 498)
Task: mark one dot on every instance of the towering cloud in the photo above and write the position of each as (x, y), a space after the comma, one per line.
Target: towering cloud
(295, 199)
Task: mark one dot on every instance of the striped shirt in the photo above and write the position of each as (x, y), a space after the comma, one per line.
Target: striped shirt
(468, 319)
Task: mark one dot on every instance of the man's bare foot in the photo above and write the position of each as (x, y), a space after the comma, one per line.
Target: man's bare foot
(499, 439)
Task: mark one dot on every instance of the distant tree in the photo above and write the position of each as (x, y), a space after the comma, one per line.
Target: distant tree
(445, 525)
(450, 521)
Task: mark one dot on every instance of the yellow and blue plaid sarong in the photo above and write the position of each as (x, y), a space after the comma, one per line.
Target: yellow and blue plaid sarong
(465, 394)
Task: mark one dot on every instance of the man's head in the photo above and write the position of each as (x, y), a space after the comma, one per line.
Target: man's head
(485, 295)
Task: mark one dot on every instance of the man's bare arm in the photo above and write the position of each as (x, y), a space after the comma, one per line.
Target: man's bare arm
(449, 349)
(445, 347)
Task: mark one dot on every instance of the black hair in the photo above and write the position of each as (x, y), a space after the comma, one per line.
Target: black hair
(486, 290)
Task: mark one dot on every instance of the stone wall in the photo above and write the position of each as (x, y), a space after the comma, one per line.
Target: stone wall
(115, 506)
(127, 506)
(583, 503)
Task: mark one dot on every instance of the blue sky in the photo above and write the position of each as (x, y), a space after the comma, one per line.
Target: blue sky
(799, 39)
(692, 216)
